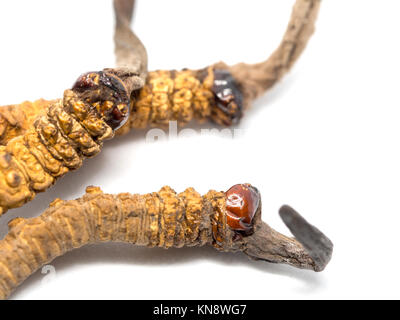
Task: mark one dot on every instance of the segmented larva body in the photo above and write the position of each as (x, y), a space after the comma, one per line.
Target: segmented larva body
(208, 94)
(163, 219)
(58, 141)
(16, 119)
(169, 96)
(185, 95)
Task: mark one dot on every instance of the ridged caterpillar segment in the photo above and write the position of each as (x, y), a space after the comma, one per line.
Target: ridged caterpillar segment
(70, 130)
(229, 221)
(16, 119)
(43, 140)
(186, 95)
(160, 219)
(207, 94)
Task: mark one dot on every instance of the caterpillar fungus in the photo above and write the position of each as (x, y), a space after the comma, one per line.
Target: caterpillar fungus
(229, 221)
(41, 148)
(219, 92)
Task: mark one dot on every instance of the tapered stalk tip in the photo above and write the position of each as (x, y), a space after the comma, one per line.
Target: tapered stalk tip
(318, 245)
(310, 249)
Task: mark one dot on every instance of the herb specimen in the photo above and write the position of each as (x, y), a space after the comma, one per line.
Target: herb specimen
(229, 221)
(43, 140)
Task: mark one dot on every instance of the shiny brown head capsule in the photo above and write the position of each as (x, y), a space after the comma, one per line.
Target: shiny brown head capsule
(242, 202)
(229, 101)
(107, 94)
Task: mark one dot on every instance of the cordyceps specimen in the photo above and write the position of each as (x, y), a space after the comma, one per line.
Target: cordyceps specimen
(229, 221)
(55, 136)
(219, 92)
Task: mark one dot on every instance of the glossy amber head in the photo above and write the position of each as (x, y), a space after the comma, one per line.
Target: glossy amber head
(242, 202)
(107, 94)
(229, 101)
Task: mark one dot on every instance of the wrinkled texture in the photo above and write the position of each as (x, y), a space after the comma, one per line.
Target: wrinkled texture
(177, 96)
(107, 94)
(163, 219)
(252, 79)
(36, 151)
(172, 96)
(43, 140)
(255, 79)
(16, 119)
(131, 55)
(74, 128)
(241, 206)
(56, 143)
(159, 219)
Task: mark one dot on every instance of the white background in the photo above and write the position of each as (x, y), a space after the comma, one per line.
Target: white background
(325, 140)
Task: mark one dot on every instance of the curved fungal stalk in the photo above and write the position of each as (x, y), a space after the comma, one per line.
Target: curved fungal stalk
(182, 96)
(129, 50)
(255, 79)
(163, 219)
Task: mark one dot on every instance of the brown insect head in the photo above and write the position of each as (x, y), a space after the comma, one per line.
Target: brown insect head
(229, 101)
(242, 203)
(107, 94)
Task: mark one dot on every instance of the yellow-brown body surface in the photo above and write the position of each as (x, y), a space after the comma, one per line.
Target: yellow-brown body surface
(172, 96)
(16, 119)
(160, 219)
(167, 96)
(55, 143)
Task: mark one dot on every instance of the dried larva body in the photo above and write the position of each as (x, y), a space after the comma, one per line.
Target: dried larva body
(57, 142)
(208, 94)
(69, 130)
(185, 95)
(162, 219)
(40, 180)
(172, 96)
(16, 119)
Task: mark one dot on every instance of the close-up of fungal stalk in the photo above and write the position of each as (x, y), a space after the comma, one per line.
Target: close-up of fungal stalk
(229, 221)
